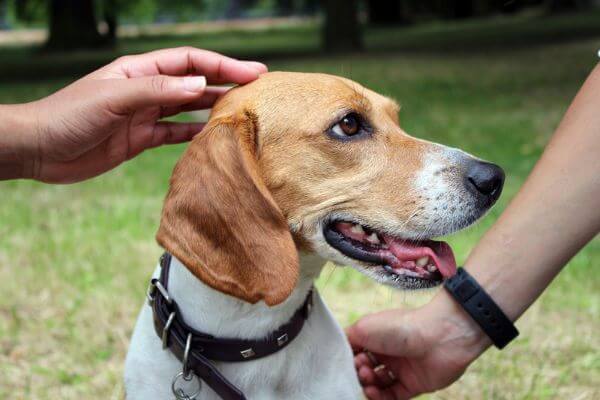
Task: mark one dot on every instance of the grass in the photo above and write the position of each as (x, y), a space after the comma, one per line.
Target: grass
(74, 260)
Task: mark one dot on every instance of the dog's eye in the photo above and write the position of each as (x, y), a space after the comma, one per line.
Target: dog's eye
(348, 126)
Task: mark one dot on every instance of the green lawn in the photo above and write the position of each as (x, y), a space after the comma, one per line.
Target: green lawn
(74, 260)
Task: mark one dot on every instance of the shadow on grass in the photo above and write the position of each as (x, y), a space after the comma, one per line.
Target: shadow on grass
(469, 37)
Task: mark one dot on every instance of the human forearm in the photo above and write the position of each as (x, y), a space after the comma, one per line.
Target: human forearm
(554, 215)
(114, 113)
(16, 130)
(551, 218)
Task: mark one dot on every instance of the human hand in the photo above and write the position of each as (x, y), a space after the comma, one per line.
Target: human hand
(422, 350)
(114, 113)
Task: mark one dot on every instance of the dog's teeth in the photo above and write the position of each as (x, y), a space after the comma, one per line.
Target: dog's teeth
(373, 238)
(385, 246)
(431, 268)
(356, 228)
(407, 272)
(423, 261)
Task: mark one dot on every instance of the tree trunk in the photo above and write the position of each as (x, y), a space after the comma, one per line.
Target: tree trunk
(387, 12)
(234, 9)
(3, 14)
(285, 8)
(73, 25)
(310, 7)
(457, 9)
(110, 17)
(342, 31)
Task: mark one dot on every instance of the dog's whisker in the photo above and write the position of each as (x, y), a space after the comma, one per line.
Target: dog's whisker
(329, 275)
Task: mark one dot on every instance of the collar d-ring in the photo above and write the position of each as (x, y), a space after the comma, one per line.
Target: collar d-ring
(179, 393)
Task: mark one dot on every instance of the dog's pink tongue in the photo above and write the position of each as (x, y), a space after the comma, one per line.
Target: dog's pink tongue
(439, 252)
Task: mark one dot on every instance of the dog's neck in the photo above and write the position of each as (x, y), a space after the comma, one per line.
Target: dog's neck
(210, 311)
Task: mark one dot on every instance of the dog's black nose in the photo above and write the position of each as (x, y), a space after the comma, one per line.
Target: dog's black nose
(485, 179)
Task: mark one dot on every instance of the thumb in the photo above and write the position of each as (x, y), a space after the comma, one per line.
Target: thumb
(128, 95)
(389, 333)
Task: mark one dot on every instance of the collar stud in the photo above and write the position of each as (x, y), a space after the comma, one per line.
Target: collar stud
(281, 340)
(248, 353)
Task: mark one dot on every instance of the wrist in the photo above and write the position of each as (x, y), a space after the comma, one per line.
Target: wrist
(18, 143)
(456, 326)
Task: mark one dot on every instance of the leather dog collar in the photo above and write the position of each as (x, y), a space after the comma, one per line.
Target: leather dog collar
(195, 349)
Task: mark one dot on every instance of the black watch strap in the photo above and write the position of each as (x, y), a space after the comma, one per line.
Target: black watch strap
(480, 306)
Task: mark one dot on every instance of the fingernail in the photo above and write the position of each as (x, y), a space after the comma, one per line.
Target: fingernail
(194, 83)
(258, 66)
(250, 68)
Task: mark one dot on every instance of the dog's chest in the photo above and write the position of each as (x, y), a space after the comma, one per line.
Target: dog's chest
(316, 365)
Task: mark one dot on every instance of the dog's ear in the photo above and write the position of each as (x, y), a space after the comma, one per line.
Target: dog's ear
(220, 220)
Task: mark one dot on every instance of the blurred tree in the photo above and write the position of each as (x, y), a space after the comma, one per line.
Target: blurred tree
(3, 14)
(235, 8)
(464, 9)
(512, 6)
(72, 24)
(309, 7)
(341, 30)
(561, 6)
(388, 12)
(457, 9)
(30, 11)
(289, 8)
(110, 17)
(285, 8)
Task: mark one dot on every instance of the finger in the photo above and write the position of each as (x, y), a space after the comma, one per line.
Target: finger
(355, 348)
(385, 376)
(260, 67)
(190, 61)
(375, 393)
(362, 359)
(163, 133)
(367, 377)
(208, 99)
(175, 132)
(387, 333)
(398, 375)
(399, 392)
(128, 95)
(376, 388)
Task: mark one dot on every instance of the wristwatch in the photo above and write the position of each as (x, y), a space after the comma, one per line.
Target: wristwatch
(480, 306)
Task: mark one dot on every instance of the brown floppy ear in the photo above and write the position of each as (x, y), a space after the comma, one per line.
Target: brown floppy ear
(220, 220)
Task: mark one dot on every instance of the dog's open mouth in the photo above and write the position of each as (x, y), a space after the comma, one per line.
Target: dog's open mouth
(423, 263)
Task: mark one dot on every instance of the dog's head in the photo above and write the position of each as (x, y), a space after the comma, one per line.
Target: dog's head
(317, 163)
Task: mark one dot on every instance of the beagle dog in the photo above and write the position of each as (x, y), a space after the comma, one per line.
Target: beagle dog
(291, 170)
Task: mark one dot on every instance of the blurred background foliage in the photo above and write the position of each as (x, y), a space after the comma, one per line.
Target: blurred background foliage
(93, 23)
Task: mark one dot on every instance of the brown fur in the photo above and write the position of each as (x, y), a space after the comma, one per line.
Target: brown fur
(264, 163)
(220, 220)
